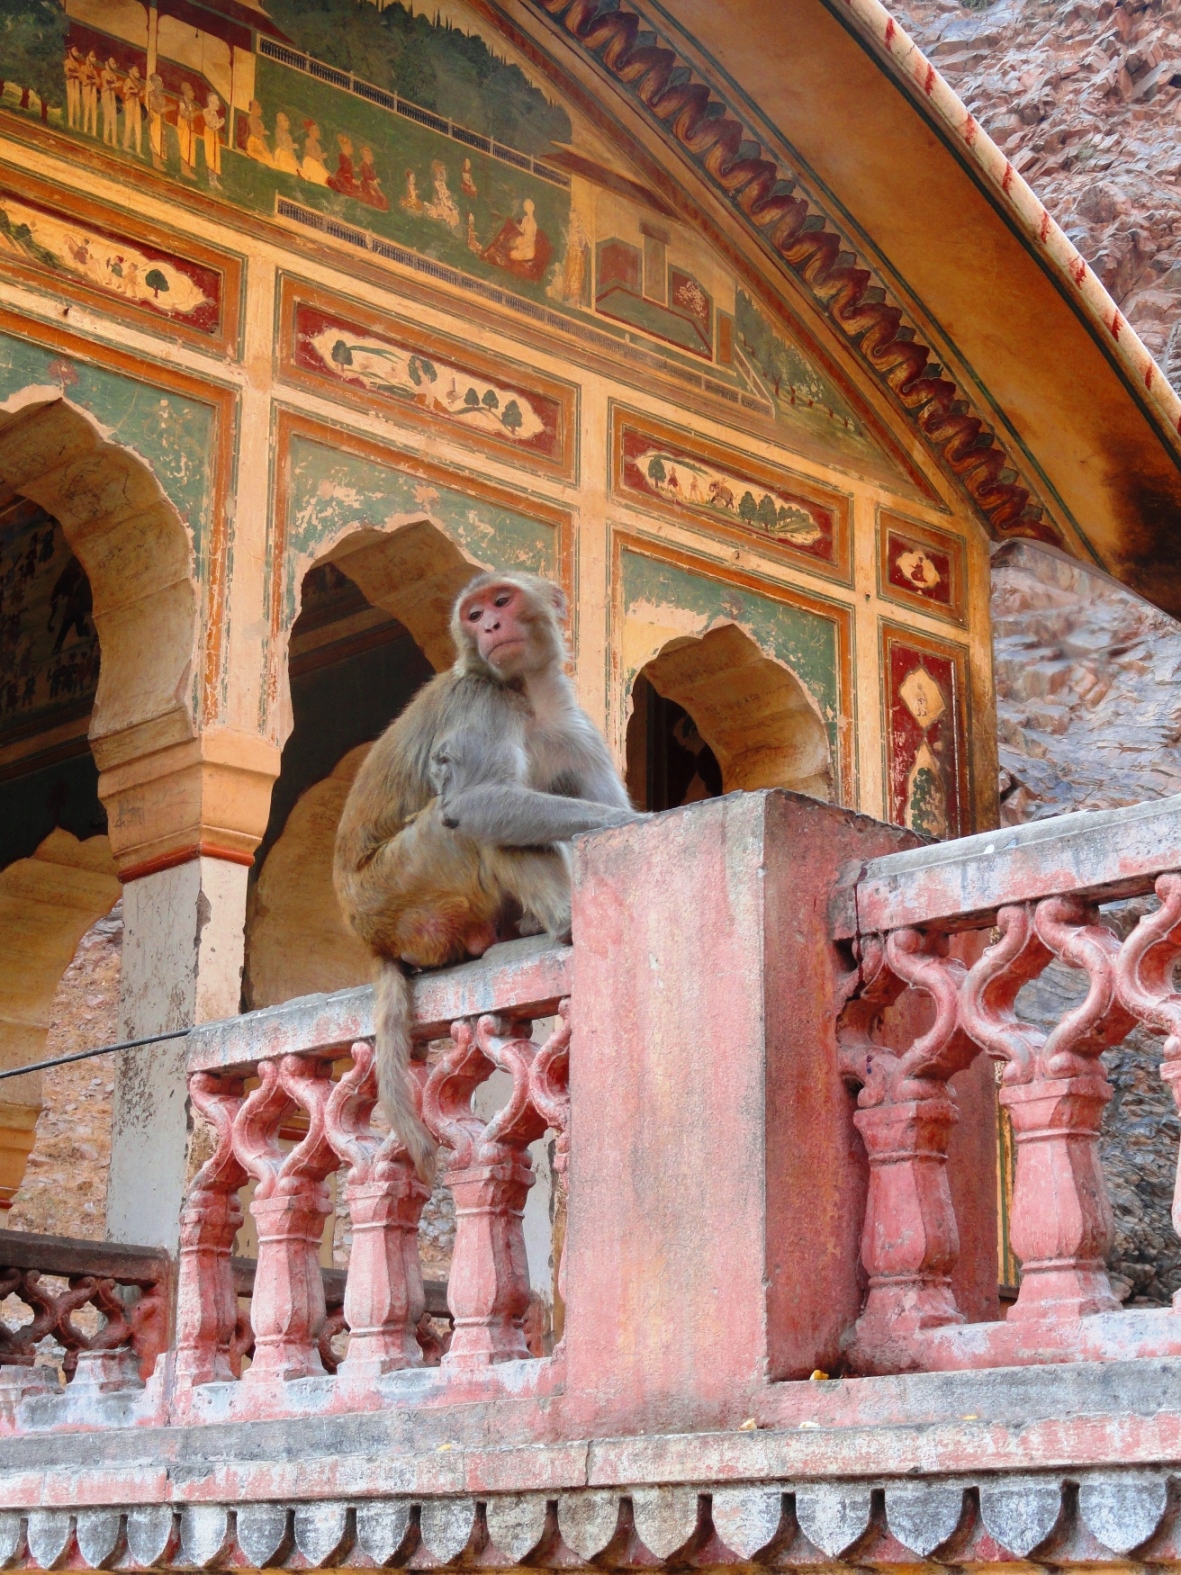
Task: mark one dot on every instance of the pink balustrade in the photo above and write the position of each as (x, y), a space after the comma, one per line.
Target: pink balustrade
(1052, 1084)
(310, 1117)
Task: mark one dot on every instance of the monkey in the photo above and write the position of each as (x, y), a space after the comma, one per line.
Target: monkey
(457, 822)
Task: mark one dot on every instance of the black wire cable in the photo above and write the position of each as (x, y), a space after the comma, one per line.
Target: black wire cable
(85, 1055)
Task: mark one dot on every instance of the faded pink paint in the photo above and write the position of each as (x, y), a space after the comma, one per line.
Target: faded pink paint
(703, 1010)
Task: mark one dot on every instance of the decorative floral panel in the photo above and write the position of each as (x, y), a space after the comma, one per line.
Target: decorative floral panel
(922, 566)
(693, 480)
(926, 733)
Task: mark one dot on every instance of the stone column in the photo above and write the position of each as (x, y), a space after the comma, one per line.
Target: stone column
(185, 820)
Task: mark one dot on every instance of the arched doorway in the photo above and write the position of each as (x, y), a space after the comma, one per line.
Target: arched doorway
(372, 629)
(713, 714)
(99, 647)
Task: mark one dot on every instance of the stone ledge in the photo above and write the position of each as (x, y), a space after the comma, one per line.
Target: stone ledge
(1086, 1520)
(527, 977)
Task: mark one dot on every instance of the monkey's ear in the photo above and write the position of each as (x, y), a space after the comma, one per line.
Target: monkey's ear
(560, 603)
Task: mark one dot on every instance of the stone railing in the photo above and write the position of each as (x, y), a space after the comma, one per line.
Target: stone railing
(312, 1066)
(1034, 894)
(121, 1294)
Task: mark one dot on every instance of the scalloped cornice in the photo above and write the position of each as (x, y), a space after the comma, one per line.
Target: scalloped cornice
(849, 292)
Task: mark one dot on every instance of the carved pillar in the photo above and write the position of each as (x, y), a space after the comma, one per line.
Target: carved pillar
(185, 816)
(384, 1298)
(489, 1177)
(289, 1206)
(206, 1306)
(910, 1242)
(1054, 1089)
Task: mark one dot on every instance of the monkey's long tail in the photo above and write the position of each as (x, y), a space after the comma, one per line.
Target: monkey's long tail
(391, 1020)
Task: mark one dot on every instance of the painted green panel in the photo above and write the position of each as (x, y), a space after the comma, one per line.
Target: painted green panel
(331, 492)
(804, 641)
(175, 436)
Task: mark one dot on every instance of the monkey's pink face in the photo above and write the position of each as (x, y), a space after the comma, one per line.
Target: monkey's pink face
(498, 619)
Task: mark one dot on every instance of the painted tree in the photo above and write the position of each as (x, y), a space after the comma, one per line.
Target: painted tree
(33, 49)
(748, 508)
(156, 282)
(656, 471)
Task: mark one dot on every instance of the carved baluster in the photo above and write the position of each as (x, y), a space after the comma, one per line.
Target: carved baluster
(489, 1177)
(1144, 979)
(384, 1298)
(910, 1243)
(289, 1206)
(1062, 1226)
(206, 1305)
(549, 1088)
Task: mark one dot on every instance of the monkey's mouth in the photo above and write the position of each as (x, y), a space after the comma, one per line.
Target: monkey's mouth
(502, 646)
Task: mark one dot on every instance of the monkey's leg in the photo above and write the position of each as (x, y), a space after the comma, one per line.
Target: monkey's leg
(518, 817)
(539, 878)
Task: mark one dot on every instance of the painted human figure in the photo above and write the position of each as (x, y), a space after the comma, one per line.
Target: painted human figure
(90, 76)
(109, 84)
(467, 183)
(285, 157)
(75, 66)
(132, 93)
(214, 121)
(412, 202)
(312, 166)
(343, 179)
(524, 248)
(256, 136)
(370, 182)
(442, 205)
(186, 131)
(157, 109)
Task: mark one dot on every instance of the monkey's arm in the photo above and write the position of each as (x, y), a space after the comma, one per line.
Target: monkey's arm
(509, 816)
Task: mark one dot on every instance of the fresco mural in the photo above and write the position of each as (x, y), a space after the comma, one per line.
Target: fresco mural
(178, 435)
(128, 271)
(662, 595)
(470, 395)
(49, 652)
(921, 566)
(331, 490)
(804, 398)
(417, 134)
(686, 475)
(926, 753)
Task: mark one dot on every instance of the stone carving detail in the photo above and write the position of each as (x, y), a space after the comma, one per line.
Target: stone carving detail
(1054, 1087)
(489, 1177)
(1096, 1520)
(119, 1354)
(291, 1326)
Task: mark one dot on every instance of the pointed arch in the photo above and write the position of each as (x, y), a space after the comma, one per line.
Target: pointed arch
(138, 557)
(753, 712)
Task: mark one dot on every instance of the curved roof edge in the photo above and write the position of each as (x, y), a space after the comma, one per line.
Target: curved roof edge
(1108, 324)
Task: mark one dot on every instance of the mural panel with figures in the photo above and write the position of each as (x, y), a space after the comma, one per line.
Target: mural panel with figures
(926, 733)
(490, 403)
(48, 645)
(921, 566)
(689, 478)
(195, 291)
(414, 136)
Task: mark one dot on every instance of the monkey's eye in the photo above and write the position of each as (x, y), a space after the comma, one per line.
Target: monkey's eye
(473, 615)
(504, 598)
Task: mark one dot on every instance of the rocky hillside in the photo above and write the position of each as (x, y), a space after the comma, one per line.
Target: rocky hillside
(1085, 97)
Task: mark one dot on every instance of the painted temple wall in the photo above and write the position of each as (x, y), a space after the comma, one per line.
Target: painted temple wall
(556, 375)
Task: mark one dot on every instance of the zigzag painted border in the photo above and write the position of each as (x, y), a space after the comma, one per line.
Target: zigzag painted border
(857, 303)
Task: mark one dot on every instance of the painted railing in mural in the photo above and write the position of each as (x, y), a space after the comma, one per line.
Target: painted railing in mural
(312, 1066)
(1039, 888)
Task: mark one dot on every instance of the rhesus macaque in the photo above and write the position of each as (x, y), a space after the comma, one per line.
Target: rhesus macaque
(455, 825)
